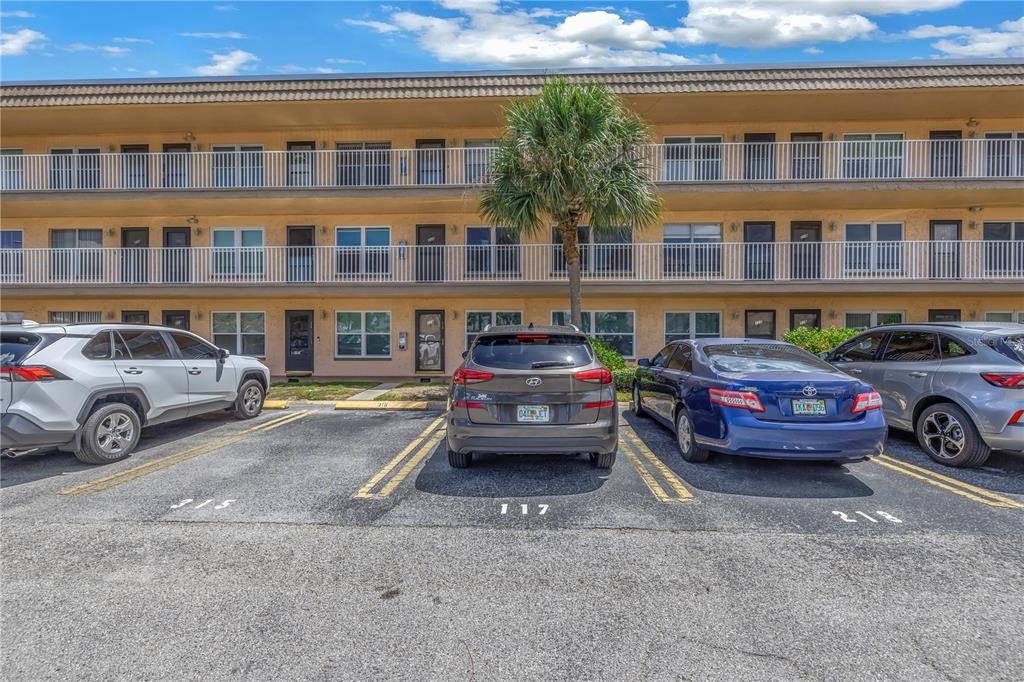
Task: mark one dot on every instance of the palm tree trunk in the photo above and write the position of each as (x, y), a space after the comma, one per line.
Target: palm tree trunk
(571, 250)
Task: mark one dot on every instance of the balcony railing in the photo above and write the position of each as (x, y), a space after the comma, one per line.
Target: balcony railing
(757, 162)
(716, 262)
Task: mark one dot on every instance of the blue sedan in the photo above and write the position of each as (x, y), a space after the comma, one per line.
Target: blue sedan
(758, 399)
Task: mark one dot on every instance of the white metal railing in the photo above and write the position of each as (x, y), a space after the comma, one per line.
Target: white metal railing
(709, 262)
(885, 160)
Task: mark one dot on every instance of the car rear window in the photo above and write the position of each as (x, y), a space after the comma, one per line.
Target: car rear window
(14, 346)
(1012, 347)
(532, 351)
(746, 357)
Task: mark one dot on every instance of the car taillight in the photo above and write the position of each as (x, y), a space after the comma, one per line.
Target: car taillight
(593, 406)
(1004, 380)
(31, 374)
(594, 376)
(742, 399)
(531, 336)
(866, 401)
(1017, 419)
(471, 376)
(463, 403)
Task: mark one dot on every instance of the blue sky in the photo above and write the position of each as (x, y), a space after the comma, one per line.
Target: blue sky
(59, 40)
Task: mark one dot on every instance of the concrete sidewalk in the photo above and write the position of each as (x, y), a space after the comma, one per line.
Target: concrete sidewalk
(373, 393)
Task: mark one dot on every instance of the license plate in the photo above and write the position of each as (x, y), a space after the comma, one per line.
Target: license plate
(532, 413)
(809, 407)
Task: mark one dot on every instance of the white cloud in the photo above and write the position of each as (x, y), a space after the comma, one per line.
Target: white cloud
(342, 60)
(471, 6)
(152, 72)
(1006, 40)
(123, 39)
(378, 26)
(109, 50)
(19, 42)
(812, 50)
(228, 64)
(609, 30)
(225, 8)
(17, 14)
(929, 31)
(225, 35)
(295, 68)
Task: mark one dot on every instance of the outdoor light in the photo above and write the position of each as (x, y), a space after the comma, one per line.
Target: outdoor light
(831, 314)
(323, 229)
(973, 314)
(454, 228)
(973, 224)
(189, 137)
(976, 209)
(109, 315)
(972, 122)
(455, 314)
(832, 225)
(192, 220)
(110, 232)
(199, 314)
(323, 314)
(734, 227)
(735, 315)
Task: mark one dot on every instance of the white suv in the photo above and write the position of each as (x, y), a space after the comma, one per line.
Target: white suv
(90, 388)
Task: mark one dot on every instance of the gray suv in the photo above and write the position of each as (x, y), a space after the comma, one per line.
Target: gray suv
(532, 390)
(90, 388)
(958, 386)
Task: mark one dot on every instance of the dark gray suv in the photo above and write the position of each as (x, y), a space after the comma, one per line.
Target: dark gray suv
(532, 390)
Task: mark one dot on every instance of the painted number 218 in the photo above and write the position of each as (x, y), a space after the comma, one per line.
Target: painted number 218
(885, 515)
(525, 509)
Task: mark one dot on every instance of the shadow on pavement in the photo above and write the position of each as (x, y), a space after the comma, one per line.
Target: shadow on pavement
(1003, 472)
(512, 475)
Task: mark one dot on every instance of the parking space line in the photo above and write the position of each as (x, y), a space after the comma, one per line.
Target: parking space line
(947, 483)
(649, 479)
(670, 477)
(106, 482)
(366, 491)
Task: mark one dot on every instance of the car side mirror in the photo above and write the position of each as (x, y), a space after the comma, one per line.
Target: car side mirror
(465, 354)
(222, 354)
(825, 355)
(643, 362)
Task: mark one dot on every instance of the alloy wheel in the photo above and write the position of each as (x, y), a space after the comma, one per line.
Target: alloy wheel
(943, 435)
(115, 433)
(251, 399)
(684, 432)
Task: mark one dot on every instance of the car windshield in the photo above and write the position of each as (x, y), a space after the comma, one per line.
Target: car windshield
(532, 351)
(14, 346)
(774, 357)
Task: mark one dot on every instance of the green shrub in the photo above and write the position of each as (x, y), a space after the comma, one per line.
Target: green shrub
(624, 378)
(607, 356)
(818, 340)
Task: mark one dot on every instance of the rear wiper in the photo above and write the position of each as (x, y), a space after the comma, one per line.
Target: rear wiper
(551, 363)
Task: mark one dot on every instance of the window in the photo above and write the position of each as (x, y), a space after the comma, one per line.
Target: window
(477, 160)
(944, 315)
(1004, 154)
(692, 248)
(682, 359)
(75, 168)
(12, 169)
(76, 254)
(492, 251)
(363, 334)
(363, 250)
(613, 327)
(1005, 317)
(363, 164)
(693, 158)
(863, 348)
(135, 316)
(692, 325)
(74, 316)
(811, 319)
(911, 347)
(98, 347)
(662, 356)
(872, 319)
(176, 165)
(134, 166)
(237, 252)
(12, 255)
(193, 348)
(301, 157)
(511, 351)
(763, 357)
(951, 348)
(873, 247)
(145, 345)
(237, 165)
(240, 333)
(759, 324)
(605, 252)
(477, 321)
(872, 155)
(1004, 248)
(176, 319)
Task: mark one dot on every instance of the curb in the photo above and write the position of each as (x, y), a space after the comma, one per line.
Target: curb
(275, 404)
(381, 405)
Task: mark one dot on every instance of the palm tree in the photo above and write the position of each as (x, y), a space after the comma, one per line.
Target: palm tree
(571, 156)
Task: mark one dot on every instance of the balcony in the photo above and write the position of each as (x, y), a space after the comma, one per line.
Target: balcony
(759, 264)
(705, 163)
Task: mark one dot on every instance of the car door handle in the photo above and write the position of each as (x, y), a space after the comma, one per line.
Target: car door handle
(194, 370)
(132, 370)
(855, 371)
(919, 374)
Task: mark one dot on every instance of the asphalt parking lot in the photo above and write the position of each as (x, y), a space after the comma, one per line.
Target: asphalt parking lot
(314, 544)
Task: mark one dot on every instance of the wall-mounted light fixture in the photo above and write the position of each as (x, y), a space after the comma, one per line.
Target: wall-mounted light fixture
(192, 220)
(401, 249)
(832, 314)
(832, 137)
(973, 314)
(110, 232)
(973, 224)
(735, 314)
(454, 229)
(111, 148)
(833, 225)
(323, 314)
(976, 209)
(109, 315)
(189, 137)
(199, 314)
(455, 314)
(322, 145)
(323, 229)
(972, 122)
(734, 227)
(735, 138)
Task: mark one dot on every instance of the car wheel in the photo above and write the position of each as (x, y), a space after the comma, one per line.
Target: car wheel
(459, 460)
(687, 441)
(110, 434)
(950, 437)
(249, 402)
(602, 460)
(638, 410)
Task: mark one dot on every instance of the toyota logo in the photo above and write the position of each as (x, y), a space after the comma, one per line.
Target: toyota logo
(534, 381)
(810, 391)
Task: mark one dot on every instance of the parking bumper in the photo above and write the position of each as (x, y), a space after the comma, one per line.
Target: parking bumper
(747, 436)
(464, 436)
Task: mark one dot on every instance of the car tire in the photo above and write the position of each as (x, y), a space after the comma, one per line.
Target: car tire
(249, 402)
(686, 439)
(949, 436)
(638, 410)
(459, 460)
(109, 434)
(602, 460)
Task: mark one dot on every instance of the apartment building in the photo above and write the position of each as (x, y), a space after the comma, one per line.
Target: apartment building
(329, 224)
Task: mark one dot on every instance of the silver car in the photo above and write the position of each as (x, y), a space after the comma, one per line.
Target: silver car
(532, 390)
(958, 386)
(90, 388)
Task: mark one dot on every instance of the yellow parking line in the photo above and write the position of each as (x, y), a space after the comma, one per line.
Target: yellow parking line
(365, 492)
(947, 483)
(161, 463)
(655, 488)
(397, 479)
(674, 482)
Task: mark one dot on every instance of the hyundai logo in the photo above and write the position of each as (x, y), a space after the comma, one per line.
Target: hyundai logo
(810, 391)
(534, 381)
